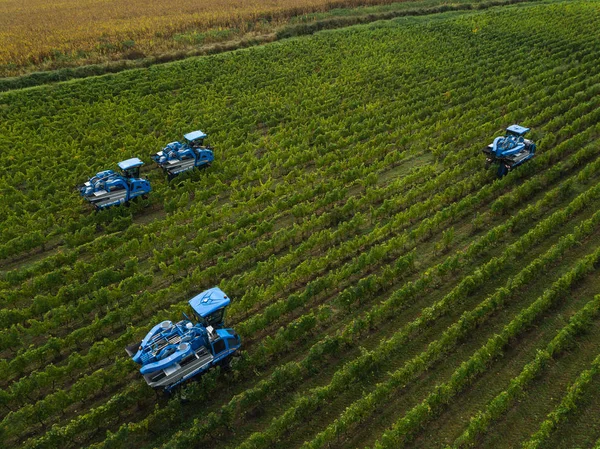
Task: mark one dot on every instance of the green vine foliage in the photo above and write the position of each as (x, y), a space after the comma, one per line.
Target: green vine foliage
(348, 214)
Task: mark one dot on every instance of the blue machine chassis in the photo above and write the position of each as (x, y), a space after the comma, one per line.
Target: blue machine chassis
(509, 162)
(173, 167)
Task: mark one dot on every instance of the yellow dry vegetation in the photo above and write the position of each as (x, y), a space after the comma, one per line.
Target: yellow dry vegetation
(36, 31)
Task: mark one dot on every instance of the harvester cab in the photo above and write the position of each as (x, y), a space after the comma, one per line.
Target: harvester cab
(209, 307)
(172, 353)
(108, 188)
(195, 139)
(178, 157)
(510, 150)
(131, 167)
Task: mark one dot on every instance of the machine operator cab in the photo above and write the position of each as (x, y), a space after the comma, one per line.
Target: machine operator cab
(195, 139)
(209, 309)
(131, 167)
(516, 130)
(515, 133)
(131, 172)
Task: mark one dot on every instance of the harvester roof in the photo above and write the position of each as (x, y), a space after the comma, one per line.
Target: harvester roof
(517, 129)
(194, 135)
(209, 301)
(130, 163)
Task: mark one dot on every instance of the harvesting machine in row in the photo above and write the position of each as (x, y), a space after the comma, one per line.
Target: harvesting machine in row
(178, 157)
(110, 188)
(172, 353)
(511, 150)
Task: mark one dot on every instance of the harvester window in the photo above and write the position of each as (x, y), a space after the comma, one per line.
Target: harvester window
(216, 317)
(132, 172)
(219, 346)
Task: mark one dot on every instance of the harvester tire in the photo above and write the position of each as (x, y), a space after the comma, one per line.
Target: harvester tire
(225, 364)
(502, 170)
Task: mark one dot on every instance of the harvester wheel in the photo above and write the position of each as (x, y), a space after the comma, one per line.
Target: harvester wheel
(225, 364)
(502, 170)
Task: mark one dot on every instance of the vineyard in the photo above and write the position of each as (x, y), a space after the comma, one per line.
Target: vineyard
(388, 289)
